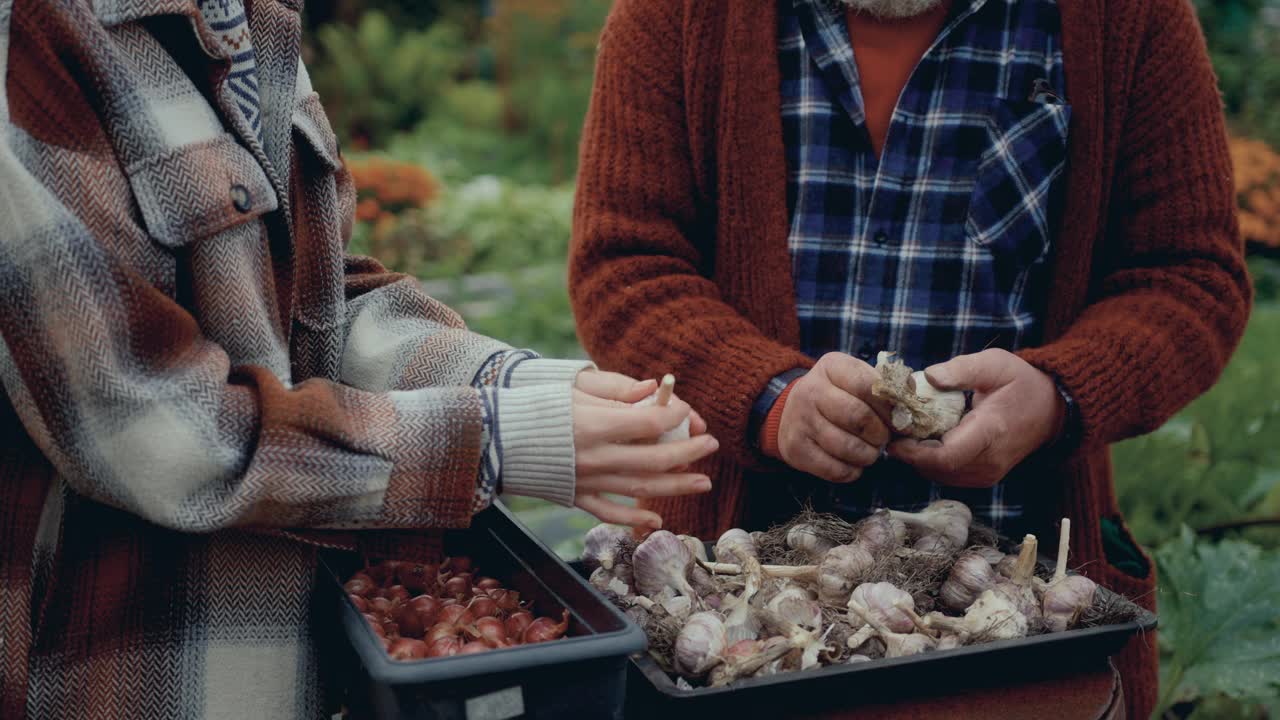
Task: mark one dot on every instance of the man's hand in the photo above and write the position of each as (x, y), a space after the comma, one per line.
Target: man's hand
(829, 427)
(615, 450)
(1016, 411)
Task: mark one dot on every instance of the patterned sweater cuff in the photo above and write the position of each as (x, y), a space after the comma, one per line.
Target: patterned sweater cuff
(533, 435)
(529, 371)
(765, 402)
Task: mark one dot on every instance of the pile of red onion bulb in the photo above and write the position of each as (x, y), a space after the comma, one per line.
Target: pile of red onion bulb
(420, 610)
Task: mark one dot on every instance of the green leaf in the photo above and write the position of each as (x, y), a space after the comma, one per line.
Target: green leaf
(1219, 608)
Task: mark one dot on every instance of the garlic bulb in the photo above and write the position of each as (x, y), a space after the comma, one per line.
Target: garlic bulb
(881, 533)
(1018, 588)
(696, 547)
(880, 600)
(809, 643)
(1007, 565)
(600, 578)
(601, 544)
(991, 617)
(947, 519)
(841, 570)
(662, 561)
(919, 409)
(970, 577)
(749, 659)
(805, 537)
(735, 546)
(700, 645)
(795, 605)
(990, 554)
(1066, 596)
(895, 644)
(677, 606)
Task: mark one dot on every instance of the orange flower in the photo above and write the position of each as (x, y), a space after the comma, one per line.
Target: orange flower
(1257, 185)
(394, 185)
(367, 209)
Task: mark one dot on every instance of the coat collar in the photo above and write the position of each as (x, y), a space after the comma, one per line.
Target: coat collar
(120, 12)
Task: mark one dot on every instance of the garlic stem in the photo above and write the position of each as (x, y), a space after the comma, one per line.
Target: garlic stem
(916, 620)
(860, 636)
(1026, 566)
(790, 572)
(1064, 539)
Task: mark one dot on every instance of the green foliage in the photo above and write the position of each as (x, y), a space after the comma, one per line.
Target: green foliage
(1219, 621)
(376, 77)
(1213, 463)
(1243, 47)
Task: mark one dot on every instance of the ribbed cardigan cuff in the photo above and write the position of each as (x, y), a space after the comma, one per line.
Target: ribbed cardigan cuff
(543, 371)
(534, 432)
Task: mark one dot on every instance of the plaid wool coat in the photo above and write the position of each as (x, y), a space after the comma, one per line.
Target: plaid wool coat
(193, 370)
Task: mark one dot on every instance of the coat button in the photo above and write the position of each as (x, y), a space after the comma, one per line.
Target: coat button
(240, 198)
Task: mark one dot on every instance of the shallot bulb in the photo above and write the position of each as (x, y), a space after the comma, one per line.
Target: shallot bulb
(949, 520)
(881, 533)
(407, 649)
(662, 561)
(841, 570)
(700, 645)
(544, 629)
(970, 577)
(491, 630)
(806, 538)
(601, 544)
(444, 647)
(991, 617)
(881, 600)
(517, 622)
(1066, 596)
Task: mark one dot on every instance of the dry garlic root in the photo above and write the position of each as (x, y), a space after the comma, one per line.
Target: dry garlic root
(919, 409)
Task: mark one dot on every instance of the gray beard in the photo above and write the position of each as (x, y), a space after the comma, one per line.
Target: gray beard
(892, 9)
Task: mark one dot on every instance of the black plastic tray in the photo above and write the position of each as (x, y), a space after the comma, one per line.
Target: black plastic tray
(652, 693)
(581, 675)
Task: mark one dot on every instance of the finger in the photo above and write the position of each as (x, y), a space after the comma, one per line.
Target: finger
(816, 461)
(697, 425)
(959, 449)
(617, 513)
(850, 374)
(853, 416)
(987, 370)
(614, 386)
(586, 398)
(646, 486)
(628, 423)
(610, 458)
(843, 446)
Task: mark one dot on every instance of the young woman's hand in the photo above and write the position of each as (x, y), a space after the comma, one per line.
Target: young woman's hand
(617, 452)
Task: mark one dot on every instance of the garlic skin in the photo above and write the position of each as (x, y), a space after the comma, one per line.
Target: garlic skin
(662, 561)
(991, 617)
(970, 577)
(881, 533)
(1007, 566)
(990, 554)
(895, 644)
(920, 410)
(700, 645)
(805, 537)
(696, 547)
(841, 570)
(949, 520)
(1065, 599)
(880, 601)
(795, 605)
(950, 641)
(601, 544)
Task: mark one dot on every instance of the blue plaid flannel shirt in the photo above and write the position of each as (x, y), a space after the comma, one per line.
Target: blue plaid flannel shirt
(939, 247)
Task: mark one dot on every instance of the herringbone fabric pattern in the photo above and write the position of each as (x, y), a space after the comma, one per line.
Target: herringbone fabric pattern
(200, 388)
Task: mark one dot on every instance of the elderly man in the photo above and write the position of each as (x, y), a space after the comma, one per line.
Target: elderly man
(200, 390)
(1031, 198)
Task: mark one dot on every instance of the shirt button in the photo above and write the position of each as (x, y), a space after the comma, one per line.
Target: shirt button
(240, 198)
(865, 352)
(881, 237)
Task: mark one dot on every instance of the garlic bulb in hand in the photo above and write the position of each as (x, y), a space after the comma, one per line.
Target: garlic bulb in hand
(919, 409)
(970, 576)
(805, 537)
(881, 533)
(949, 520)
(880, 600)
(841, 570)
(662, 561)
(601, 544)
(679, 432)
(700, 645)
(1066, 596)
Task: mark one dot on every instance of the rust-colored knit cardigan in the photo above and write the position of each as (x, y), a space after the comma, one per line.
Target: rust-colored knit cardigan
(680, 262)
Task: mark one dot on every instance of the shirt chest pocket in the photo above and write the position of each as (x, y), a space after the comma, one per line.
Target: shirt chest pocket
(199, 190)
(1016, 195)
